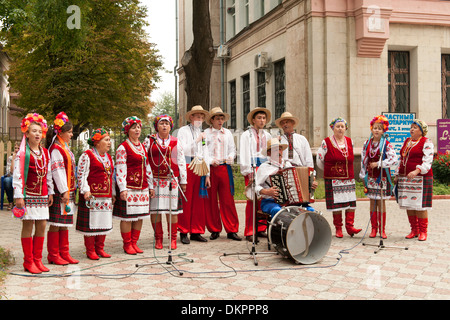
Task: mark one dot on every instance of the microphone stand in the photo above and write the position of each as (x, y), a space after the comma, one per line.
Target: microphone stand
(170, 260)
(253, 252)
(381, 245)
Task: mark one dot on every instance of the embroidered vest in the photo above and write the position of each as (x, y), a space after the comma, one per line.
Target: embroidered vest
(413, 158)
(99, 179)
(136, 168)
(158, 165)
(36, 184)
(73, 185)
(375, 173)
(337, 166)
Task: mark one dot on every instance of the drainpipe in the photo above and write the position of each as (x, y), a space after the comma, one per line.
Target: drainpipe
(222, 61)
(176, 64)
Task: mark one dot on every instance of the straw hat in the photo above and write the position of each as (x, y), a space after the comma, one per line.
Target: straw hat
(266, 111)
(287, 116)
(217, 111)
(196, 109)
(272, 144)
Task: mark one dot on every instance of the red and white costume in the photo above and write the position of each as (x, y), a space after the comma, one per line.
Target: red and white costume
(222, 150)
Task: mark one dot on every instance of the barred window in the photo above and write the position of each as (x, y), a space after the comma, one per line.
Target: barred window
(280, 88)
(445, 85)
(246, 98)
(261, 89)
(398, 81)
(233, 104)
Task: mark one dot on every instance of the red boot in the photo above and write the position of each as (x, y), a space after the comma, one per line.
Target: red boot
(374, 223)
(64, 247)
(28, 261)
(127, 247)
(173, 236)
(382, 226)
(414, 227)
(134, 239)
(337, 221)
(423, 228)
(100, 245)
(349, 220)
(89, 243)
(38, 245)
(53, 249)
(157, 227)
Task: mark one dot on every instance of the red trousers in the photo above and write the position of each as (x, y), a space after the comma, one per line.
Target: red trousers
(248, 231)
(220, 193)
(193, 218)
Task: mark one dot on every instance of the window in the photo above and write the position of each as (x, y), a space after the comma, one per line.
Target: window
(261, 89)
(398, 81)
(233, 104)
(445, 86)
(246, 98)
(280, 88)
(247, 13)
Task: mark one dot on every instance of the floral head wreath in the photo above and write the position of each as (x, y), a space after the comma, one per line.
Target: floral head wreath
(128, 122)
(422, 125)
(162, 117)
(380, 119)
(33, 117)
(60, 120)
(336, 120)
(97, 135)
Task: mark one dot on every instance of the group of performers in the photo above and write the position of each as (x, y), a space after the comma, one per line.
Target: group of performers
(189, 179)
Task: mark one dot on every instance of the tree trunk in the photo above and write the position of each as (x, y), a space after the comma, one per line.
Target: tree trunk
(198, 60)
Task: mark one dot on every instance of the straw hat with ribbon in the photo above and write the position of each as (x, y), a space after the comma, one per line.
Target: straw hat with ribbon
(287, 116)
(217, 111)
(196, 109)
(273, 144)
(265, 110)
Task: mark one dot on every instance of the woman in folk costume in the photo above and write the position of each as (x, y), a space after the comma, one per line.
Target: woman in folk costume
(97, 195)
(252, 142)
(134, 184)
(33, 190)
(222, 151)
(415, 179)
(335, 157)
(192, 140)
(378, 183)
(63, 172)
(164, 151)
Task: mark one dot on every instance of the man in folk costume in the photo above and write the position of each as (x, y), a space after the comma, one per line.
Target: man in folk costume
(63, 171)
(97, 195)
(134, 183)
(192, 140)
(33, 190)
(222, 151)
(252, 142)
(166, 157)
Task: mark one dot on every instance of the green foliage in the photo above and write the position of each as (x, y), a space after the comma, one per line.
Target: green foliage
(441, 168)
(98, 74)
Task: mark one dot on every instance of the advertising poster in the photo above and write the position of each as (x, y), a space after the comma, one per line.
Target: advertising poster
(443, 135)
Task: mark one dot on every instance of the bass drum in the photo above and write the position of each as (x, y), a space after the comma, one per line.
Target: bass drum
(301, 235)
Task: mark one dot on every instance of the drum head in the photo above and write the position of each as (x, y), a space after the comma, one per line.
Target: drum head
(300, 234)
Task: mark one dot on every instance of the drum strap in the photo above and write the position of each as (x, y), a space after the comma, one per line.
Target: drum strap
(305, 232)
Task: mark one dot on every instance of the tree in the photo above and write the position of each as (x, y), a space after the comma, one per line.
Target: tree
(98, 74)
(164, 105)
(198, 60)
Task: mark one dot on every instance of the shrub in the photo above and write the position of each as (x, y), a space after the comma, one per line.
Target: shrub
(441, 168)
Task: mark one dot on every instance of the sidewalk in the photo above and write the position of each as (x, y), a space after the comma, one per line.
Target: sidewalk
(421, 272)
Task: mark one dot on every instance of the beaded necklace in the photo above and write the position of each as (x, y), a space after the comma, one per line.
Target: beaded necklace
(343, 150)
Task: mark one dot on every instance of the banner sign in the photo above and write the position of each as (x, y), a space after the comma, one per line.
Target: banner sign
(443, 135)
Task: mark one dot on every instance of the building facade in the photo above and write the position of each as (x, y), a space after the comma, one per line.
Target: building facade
(320, 59)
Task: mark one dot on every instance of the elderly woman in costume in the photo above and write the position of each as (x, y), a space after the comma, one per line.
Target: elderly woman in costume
(135, 185)
(166, 157)
(415, 179)
(335, 157)
(253, 141)
(192, 140)
(376, 173)
(97, 195)
(63, 172)
(33, 190)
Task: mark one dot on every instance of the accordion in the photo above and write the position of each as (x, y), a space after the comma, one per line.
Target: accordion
(294, 185)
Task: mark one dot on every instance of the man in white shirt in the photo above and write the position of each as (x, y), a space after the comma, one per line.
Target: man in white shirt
(252, 142)
(222, 151)
(192, 140)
